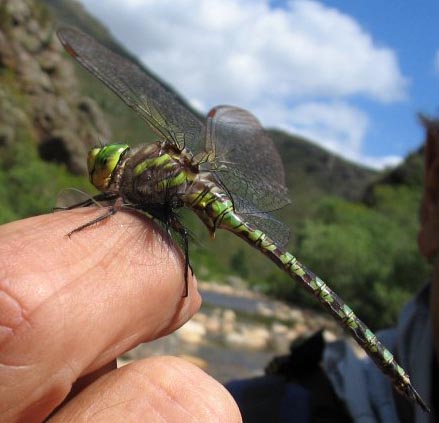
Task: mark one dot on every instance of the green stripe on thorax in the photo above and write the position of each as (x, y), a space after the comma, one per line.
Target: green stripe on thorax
(154, 162)
(179, 179)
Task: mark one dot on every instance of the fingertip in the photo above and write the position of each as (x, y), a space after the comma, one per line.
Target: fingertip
(116, 282)
(162, 389)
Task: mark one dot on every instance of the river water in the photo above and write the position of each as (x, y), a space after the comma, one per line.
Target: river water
(223, 362)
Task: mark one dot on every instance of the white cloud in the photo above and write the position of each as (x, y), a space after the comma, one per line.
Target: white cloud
(338, 126)
(335, 125)
(381, 162)
(436, 62)
(305, 61)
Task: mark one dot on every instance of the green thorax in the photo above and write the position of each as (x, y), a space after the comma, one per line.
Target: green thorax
(157, 173)
(160, 175)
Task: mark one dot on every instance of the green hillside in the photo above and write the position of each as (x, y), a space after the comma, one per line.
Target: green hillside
(355, 227)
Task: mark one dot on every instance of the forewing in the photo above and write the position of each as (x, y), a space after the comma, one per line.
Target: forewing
(246, 160)
(161, 108)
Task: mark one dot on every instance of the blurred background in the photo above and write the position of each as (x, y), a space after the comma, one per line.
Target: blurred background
(338, 84)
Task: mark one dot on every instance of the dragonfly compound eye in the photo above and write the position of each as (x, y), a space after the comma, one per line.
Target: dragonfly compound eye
(102, 162)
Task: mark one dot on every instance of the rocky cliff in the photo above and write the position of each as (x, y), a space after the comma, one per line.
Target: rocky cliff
(39, 92)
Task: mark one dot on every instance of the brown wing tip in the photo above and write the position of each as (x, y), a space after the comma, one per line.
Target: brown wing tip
(67, 46)
(212, 112)
(69, 49)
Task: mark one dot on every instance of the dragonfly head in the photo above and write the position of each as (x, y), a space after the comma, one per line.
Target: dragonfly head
(102, 163)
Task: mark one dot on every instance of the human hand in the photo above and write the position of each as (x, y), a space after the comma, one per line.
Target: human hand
(69, 307)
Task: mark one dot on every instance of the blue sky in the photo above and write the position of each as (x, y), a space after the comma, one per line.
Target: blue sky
(350, 75)
(411, 29)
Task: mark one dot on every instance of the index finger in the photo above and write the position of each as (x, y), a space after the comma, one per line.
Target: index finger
(68, 306)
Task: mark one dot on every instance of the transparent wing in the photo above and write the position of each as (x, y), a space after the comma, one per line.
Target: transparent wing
(161, 108)
(276, 230)
(246, 160)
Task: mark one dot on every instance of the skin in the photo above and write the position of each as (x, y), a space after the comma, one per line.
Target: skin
(69, 307)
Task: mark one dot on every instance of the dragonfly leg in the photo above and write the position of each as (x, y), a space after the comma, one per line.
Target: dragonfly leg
(187, 264)
(184, 235)
(85, 203)
(169, 220)
(172, 221)
(110, 212)
(88, 202)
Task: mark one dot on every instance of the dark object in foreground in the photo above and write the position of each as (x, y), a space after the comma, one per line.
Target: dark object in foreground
(295, 388)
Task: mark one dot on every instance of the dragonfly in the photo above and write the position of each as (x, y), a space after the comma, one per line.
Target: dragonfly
(225, 168)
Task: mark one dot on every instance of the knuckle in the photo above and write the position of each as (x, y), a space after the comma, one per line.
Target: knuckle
(13, 313)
